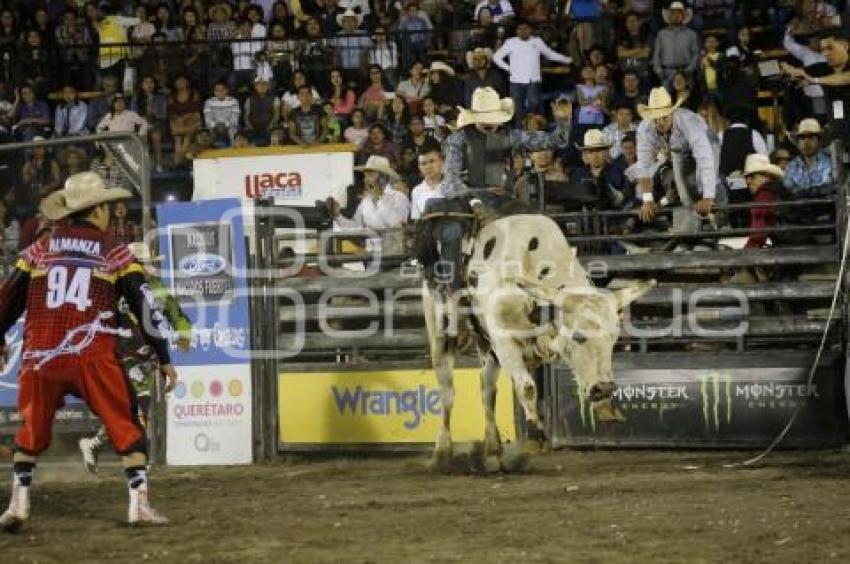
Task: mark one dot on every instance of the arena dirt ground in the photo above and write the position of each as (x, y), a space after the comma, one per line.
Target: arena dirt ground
(571, 506)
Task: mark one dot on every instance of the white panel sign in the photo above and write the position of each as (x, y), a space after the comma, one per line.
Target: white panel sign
(209, 416)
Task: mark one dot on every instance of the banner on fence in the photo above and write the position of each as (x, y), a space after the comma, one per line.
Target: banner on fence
(209, 417)
(394, 406)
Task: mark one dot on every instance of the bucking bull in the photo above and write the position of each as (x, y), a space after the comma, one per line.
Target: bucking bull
(526, 301)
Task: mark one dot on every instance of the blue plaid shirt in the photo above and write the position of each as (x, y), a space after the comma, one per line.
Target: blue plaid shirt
(798, 177)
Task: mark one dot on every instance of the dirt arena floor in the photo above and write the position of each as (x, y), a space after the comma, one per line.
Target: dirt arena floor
(605, 507)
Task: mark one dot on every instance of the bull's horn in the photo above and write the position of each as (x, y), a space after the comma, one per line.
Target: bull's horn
(627, 295)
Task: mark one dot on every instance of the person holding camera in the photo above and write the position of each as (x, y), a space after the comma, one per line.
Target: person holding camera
(381, 206)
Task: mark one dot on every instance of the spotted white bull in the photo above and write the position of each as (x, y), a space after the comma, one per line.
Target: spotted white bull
(528, 302)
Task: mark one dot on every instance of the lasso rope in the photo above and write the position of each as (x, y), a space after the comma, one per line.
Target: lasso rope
(67, 345)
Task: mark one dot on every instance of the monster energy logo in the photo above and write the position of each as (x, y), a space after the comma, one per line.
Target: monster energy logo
(588, 418)
(712, 389)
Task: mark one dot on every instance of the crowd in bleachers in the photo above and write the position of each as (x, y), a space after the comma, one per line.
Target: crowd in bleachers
(390, 75)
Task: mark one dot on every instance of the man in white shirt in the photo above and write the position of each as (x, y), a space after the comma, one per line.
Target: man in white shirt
(431, 187)
(382, 206)
(525, 52)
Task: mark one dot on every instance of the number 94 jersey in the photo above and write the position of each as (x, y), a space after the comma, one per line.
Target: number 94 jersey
(70, 284)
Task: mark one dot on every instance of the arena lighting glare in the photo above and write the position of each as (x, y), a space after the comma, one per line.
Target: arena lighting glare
(170, 197)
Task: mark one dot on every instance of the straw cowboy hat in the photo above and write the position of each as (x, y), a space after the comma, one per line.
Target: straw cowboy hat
(143, 254)
(660, 104)
(486, 52)
(689, 14)
(594, 139)
(486, 109)
(379, 164)
(82, 190)
(808, 126)
(439, 66)
(220, 6)
(349, 13)
(760, 164)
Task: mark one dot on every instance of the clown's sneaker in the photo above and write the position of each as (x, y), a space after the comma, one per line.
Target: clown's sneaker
(141, 512)
(89, 448)
(18, 511)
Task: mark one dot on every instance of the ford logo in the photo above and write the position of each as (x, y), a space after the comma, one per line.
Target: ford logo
(204, 264)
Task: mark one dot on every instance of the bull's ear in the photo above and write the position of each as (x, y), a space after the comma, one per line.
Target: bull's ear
(628, 294)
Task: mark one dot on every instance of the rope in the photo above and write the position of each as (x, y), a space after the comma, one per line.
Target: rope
(441, 215)
(66, 346)
(781, 436)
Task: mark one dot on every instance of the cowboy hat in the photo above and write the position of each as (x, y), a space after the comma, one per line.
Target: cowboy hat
(349, 13)
(808, 126)
(439, 66)
(660, 104)
(220, 6)
(760, 164)
(82, 191)
(485, 51)
(143, 254)
(594, 139)
(689, 14)
(486, 109)
(379, 164)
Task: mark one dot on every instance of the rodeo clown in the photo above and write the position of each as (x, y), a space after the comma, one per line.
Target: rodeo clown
(478, 171)
(137, 357)
(69, 285)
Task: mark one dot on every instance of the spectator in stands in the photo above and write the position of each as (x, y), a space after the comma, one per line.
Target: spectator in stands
(715, 120)
(40, 176)
(10, 234)
(34, 64)
(382, 206)
(433, 122)
(738, 141)
(676, 46)
(244, 62)
(352, 45)
(622, 124)
(316, 55)
(200, 67)
(397, 120)
(444, 88)
(374, 97)
(601, 183)
(384, 53)
(524, 52)
(31, 116)
(99, 106)
(306, 126)
(481, 74)
(122, 119)
(104, 165)
(378, 144)
(486, 34)
(6, 114)
(76, 67)
(122, 229)
(254, 14)
(431, 167)
(221, 115)
(71, 161)
(166, 25)
(152, 106)
(281, 53)
(142, 33)
(201, 141)
(340, 96)
(43, 24)
(628, 156)
(184, 113)
(545, 170)
(262, 112)
(414, 88)
(630, 92)
(808, 55)
(834, 47)
(289, 100)
(221, 26)
(680, 135)
(501, 10)
(810, 173)
(70, 116)
(736, 87)
(592, 101)
(163, 61)
(633, 48)
(357, 132)
(534, 11)
(414, 28)
(709, 62)
(781, 157)
(331, 123)
(764, 181)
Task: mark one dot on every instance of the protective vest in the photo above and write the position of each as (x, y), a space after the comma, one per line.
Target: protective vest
(737, 144)
(488, 158)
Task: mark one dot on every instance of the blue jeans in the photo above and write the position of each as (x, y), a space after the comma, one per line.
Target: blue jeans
(526, 99)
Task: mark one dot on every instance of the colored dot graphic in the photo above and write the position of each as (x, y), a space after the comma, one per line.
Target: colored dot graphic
(235, 388)
(180, 390)
(198, 389)
(216, 388)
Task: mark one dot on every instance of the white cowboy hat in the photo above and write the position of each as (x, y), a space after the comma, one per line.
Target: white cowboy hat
(689, 14)
(82, 190)
(439, 66)
(660, 104)
(594, 139)
(379, 164)
(486, 109)
(760, 164)
(485, 51)
(349, 13)
(143, 254)
(808, 126)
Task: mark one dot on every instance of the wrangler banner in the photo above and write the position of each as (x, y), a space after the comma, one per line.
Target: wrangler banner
(398, 406)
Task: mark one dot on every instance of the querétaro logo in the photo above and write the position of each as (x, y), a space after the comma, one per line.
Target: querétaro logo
(283, 185)
(204, 264)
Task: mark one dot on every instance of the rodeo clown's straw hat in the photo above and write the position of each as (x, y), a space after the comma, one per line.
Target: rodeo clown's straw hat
(689, 14)
(660, 104)
(143, 254)
(379, 164)
(82, 190)
(485, 52)
(594, 139)
(486, 109)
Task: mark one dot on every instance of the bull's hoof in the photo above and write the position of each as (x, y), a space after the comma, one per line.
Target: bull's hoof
(492, 464)
(607, 412)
